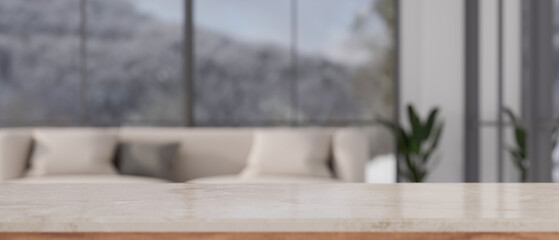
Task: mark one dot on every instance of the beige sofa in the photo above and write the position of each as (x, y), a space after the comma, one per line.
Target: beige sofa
(206, 155)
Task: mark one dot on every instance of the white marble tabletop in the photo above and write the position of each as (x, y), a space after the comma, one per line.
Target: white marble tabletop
(279, 208)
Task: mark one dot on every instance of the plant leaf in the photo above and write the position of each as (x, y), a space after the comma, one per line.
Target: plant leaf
(412, 168)
(520, 136)
(437, 136)
(434, 144)
(511, 115)
(430, 123)
(417, 131)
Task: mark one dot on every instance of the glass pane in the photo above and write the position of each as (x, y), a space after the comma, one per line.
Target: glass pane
(488, 153)
(512, 76)
(488, 62)
(39, 62)
(135, 62)
(243, 72)
(345, 62)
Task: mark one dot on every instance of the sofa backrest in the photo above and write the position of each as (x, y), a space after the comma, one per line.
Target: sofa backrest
(206, 152)
(203, 152)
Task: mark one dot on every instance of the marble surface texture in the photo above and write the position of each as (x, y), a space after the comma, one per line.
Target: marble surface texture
(279, 208)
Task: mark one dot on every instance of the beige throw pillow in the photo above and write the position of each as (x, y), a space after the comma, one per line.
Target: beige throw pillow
(289, 153)
(15, 146)
(73, 151)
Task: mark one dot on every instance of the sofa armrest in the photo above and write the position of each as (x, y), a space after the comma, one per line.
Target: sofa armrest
(351, 152)
(15, 146)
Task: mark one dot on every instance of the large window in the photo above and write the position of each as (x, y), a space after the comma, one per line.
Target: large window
(255, 62)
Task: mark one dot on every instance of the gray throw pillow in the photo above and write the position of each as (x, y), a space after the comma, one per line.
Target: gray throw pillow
(147, 159)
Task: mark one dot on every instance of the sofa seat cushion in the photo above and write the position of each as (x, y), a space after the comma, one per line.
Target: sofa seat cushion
(236, 179)
(87, 179)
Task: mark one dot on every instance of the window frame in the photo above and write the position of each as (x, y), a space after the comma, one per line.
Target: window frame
(537, 78)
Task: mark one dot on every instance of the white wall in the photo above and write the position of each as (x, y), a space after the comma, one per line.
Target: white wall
(432, 73)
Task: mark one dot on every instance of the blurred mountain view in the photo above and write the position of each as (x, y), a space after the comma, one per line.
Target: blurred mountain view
(135, 66)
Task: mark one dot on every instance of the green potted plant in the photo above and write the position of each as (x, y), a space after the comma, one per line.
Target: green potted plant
(417, 145)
